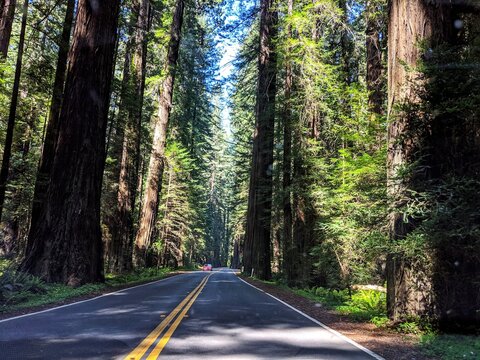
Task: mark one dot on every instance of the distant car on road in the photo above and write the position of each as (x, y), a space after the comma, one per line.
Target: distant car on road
(207, 267)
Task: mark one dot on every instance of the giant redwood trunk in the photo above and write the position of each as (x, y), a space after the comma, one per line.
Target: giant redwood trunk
(256, 258)
(7, 149)
(7, 13)
(66, 244)
(411, 23)
(156, 166)
(128, 136)
(51, 135)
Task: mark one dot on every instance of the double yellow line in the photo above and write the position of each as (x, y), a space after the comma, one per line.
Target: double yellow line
(182, 308)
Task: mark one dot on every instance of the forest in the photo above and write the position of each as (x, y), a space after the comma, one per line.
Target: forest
(320, 144)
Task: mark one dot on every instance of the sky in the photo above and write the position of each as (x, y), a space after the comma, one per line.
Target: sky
(229, 47)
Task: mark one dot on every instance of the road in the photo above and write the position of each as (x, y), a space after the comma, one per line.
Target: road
(198, 315)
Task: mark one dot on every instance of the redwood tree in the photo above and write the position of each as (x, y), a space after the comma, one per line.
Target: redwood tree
(156, 166)
(7, 13)
(411, 23)
(287, 162)
(128, 138)
(51, 135)
(66, 244)
(257, 240)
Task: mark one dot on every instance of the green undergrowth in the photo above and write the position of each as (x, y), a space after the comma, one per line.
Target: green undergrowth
(450, 346)
(20, 291)
(362, 305)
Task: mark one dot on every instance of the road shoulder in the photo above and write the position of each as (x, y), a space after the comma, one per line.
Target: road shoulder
(387, 343)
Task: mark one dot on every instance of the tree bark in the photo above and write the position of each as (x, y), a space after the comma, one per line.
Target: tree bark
(156, 165)
(257, 239)
(7, 13)
(288, 247)
(410, 23)
(51, 135)
(374, 57)
(67, 244)
(7, 150)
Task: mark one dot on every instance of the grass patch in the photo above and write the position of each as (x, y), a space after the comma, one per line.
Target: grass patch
(20, 291)
(451, 347)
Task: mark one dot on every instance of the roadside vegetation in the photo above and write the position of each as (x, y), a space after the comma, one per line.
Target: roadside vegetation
(20, 291)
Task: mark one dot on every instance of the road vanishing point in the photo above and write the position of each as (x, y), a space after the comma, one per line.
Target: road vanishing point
(197, 315)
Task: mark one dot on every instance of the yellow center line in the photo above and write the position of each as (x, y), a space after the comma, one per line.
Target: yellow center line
(142, 348)
(166, 337)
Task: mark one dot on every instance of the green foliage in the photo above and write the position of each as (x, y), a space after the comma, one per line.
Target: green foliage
(16, 286)
(139, 275)
(451, 347)
(363, 305)
(409, 327)
(327, 297)
(380, 321)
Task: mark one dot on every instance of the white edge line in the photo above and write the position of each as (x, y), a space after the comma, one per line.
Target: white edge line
(343, 337)
(87, 300)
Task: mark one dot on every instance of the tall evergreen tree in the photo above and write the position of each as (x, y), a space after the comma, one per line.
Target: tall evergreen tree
(66, 244)
(257, 241)
(128, 141)
(155, 169)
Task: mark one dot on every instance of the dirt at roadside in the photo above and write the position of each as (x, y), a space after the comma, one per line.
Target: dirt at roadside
(384, 342)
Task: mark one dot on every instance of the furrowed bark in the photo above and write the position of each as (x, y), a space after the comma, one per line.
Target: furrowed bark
(67, 244)
(7, 14)
(411, 22)
(51, 135)
(257, 239)
(288, 247)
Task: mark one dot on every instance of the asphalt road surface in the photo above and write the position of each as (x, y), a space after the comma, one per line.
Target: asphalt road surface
(198, 315)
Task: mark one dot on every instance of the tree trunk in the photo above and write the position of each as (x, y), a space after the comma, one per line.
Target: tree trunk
(156, 165)
(374, 57)
(410, 23)
(236, 255)
(304, 218)
(257, 239)
(121, 244)
(7, 150)
(287, 164)
(7, 13)
(51, 135)
(345, 44)
(67, 244)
